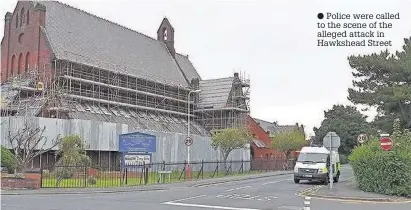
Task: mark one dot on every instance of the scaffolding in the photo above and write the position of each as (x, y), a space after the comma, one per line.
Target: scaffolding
(24, 94)
(236, 107)
(108, 92)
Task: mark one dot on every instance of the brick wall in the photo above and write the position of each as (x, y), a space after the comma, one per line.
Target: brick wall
(260, 134)
(25, 41)
(30, 181)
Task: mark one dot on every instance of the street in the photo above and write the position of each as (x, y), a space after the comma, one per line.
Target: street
(276, 192)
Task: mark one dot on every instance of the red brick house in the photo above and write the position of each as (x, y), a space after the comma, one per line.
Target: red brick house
(263, 131)
(261, 145)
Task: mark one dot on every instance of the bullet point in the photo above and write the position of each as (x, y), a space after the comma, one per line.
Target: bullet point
(320, 16)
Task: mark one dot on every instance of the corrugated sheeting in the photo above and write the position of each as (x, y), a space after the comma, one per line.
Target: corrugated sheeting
(104, 136)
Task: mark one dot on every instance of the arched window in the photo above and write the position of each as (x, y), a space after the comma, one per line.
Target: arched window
(165, 34)
(27, 63)
(20, 64)
(28, 17)
(22, 18)
(13, 61)
(17, 20)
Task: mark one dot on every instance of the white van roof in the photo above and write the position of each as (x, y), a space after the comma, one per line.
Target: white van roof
(315, 150)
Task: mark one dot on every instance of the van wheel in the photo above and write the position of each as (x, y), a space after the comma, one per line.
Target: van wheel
(296, 181)
(337, 178)
(326, 180)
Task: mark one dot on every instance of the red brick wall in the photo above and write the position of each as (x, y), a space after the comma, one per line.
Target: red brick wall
(260, 134)
(32, 42)
(30, 181)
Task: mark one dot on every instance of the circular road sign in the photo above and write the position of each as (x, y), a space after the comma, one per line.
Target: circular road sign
(188, 141)
(362, 138)
(386, 143)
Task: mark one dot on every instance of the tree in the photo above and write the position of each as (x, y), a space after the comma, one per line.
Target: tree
(29, 142)
(230, 139)
(289, 141)
(73, 157)
(8, 160)
(384, 81)
(347, 122)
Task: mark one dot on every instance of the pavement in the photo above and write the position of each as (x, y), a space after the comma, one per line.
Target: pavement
(274, 191)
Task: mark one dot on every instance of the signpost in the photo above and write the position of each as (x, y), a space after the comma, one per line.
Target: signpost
(188, 142)
(362, 138)
(386, 143)
(331, 141)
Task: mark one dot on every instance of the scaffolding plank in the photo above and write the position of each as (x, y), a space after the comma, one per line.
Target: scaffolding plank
(115, 111)
(88, 107)
(96, 109)
(124, 113)
(105, 110)
(79, 107)
(133, 113)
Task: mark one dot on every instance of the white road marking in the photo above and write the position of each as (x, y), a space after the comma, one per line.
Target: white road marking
(276, 181)
(10, 205)
(184, 199)
(247, 197)
(207, 206)
(238, 188)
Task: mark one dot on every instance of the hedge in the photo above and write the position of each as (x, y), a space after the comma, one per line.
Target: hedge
(8, 160)
(385, 172)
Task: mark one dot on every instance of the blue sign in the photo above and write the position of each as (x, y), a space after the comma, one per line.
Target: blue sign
(137, 142)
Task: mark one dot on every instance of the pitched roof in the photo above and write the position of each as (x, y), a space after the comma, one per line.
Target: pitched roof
(187, 67)
(81, 37)
(215, 92)
(274, 128)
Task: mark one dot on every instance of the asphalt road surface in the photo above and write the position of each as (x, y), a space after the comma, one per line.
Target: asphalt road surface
(276, 192)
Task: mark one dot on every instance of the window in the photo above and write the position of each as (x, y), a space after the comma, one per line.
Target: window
(22, 19)
(13, 60)
(20, 63)
(21, 38)
(17, 20)
(28, 18)
(165, 34)
(27, 63)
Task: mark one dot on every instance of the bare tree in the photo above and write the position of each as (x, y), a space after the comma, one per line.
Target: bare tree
(29, 142)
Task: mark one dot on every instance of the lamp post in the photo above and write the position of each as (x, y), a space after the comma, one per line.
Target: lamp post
(188, 132)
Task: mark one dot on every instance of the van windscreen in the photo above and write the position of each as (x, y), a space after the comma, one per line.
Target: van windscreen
(313, 157)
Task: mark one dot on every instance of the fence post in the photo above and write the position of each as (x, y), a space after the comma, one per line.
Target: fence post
(202, 169)
(261, 165)
(126, 175)
(242, 165)
(85, 176)
(218, 164)
(41, 177)
(146, 174)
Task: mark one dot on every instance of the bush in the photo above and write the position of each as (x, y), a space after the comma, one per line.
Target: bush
(8, 160)
(385, 172)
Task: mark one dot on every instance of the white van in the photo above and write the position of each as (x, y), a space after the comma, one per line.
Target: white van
(313, 164)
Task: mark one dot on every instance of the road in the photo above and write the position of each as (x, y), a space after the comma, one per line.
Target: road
(277, 192)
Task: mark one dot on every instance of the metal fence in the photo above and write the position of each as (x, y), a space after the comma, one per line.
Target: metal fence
(153, 173)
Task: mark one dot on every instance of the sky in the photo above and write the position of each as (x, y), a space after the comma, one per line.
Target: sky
(274, 42)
